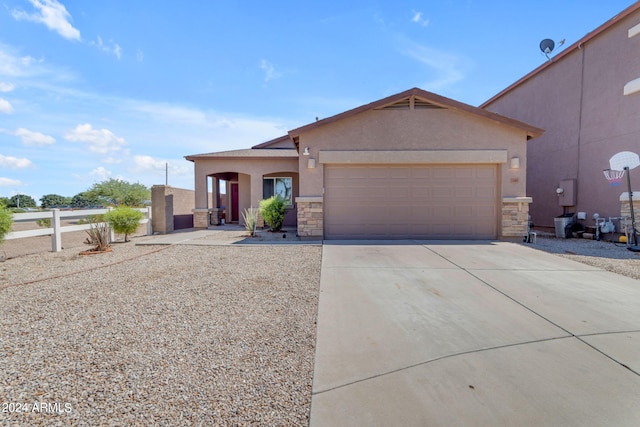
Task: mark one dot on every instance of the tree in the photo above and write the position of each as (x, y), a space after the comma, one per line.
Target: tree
(124, 220)
(53, 200)
(21, 201)
(117, 192)
(83, 200)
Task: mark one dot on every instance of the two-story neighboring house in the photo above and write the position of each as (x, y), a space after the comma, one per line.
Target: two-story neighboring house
(587, 99)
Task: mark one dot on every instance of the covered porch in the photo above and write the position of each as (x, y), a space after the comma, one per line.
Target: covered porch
(239, 179)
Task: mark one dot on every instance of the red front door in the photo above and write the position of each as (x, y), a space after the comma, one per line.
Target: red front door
(234, 203)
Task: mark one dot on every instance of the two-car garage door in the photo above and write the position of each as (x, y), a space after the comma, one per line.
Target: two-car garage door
(411, 201)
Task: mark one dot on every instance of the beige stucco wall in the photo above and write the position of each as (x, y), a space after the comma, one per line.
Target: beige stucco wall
(167, 201)
(415, 130)
(579, 100)
(250, 174)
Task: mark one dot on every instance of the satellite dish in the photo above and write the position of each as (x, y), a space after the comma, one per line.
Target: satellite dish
(546, 46)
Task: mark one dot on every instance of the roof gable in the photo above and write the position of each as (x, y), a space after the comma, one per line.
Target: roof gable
(418, 99)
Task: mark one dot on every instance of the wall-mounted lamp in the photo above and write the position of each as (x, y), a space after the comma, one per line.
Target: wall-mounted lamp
(306, 151)
(559, 191)
(515, 163)
(311, 163)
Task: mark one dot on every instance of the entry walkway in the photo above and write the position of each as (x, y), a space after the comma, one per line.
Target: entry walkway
(473, 334)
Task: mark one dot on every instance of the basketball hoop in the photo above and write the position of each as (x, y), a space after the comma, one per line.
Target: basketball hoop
(613, 176)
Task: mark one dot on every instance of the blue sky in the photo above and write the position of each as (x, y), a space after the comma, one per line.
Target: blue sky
(91, 90)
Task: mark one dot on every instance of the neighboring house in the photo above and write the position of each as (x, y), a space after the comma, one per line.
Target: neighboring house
(587, 98)
(414, 165)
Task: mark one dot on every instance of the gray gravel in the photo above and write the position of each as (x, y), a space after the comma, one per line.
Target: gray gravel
(608, 256)
(178, 335)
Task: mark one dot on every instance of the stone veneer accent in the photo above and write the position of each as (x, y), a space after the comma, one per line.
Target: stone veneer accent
(201, 218)
(310, 217)
(515, 216)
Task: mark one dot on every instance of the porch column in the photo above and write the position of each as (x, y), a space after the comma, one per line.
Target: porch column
(256, 195)
(201, 211)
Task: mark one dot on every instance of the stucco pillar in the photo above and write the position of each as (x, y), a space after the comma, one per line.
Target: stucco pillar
(201, 186)
(515, 216)
(201, 211)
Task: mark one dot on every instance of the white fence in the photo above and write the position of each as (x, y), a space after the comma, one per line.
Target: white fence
(56, 230)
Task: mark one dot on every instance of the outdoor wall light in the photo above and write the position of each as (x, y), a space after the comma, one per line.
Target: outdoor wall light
(306, 151)
(515, 163)
(311, 163)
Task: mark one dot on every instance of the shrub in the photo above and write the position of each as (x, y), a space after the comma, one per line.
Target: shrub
(6, 221)
(272, 210)
(250, 217)
(44, 222)
(124, 220)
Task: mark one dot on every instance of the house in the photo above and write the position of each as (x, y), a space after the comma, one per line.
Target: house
(587, 98)
(413, 165)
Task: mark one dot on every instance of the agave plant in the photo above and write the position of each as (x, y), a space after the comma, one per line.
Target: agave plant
(250, 217)
(99, 237)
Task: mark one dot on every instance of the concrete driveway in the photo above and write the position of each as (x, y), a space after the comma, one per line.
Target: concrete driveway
(473, 334)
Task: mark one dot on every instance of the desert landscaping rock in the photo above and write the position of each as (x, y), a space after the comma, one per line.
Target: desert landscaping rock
(178, 335)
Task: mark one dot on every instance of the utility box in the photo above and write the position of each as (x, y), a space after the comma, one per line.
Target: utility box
(561, 222)
(568, 195)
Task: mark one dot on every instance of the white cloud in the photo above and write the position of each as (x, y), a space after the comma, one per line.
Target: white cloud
(110, 47)
(140, 55)
(150, 164)
(8, 182)
(31, 138)
(418, 19)
(6, 87)
(447, 67)
(5, 106)
(14, 162)
(101, 141)
(101, 173)
(270, 72)
(52, 14)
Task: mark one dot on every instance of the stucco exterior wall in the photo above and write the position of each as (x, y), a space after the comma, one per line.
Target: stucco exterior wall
(250, 174)
(579, 101)
(168, 201)
(414, 130)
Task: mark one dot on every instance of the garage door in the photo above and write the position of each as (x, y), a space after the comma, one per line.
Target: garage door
(411, 201)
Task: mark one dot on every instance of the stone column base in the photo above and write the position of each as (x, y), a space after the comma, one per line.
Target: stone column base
(310, 218)
(515, 216)
(201, 218)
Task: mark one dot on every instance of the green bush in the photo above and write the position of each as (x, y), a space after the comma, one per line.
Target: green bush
(250, 217)
(272, 210)
(6, 221)
(44, 222)
(124, 220)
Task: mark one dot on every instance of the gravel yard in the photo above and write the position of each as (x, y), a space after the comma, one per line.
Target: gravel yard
(149, 335)
(177, 335)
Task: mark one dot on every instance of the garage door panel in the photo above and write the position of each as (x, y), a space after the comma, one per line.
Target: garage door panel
(411, 201)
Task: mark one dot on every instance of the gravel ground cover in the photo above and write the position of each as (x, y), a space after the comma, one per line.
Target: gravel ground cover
(609, 256)
(171, 335)
(177, 335)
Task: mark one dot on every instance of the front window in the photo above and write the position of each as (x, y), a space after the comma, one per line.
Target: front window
(277, 186)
